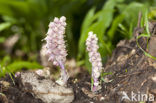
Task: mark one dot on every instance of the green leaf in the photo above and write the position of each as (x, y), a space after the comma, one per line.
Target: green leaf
(5, 61)
(146, 23)
(17, 65)
(4, 26)
(87, 22)
(146, 53)
(114, 26)
(2, 39)
(98, 23)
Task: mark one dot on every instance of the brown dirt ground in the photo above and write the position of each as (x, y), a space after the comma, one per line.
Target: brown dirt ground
(130, 71)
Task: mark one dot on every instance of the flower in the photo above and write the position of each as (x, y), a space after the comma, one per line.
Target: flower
(55, 44)
(94, 58)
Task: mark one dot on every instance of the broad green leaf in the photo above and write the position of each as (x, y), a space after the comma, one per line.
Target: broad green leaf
(114, 26)
(17, 65)
(4, 26)
(128, 15)
(5, 61)
(84, 34)
(98, 23)
(2, 39)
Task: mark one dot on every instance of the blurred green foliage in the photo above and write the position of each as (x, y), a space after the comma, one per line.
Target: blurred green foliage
(115, 21)
(111, 20)
(7, 66)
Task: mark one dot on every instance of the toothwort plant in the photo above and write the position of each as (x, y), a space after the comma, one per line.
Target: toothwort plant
(55, 44)
(95, 59)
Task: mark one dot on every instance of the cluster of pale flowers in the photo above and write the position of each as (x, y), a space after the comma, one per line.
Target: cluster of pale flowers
(55, 45)
(94, 58)
(56, 50)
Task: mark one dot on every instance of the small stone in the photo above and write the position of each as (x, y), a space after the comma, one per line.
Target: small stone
(5, 84)
(102, 98)
(154, 78)
(45, 89)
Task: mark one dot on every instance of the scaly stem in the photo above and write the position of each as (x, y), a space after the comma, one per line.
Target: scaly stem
(64, 74)
(94, 88)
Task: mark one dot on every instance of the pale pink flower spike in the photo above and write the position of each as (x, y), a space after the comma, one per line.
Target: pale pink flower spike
(55, 44)
(95, 59)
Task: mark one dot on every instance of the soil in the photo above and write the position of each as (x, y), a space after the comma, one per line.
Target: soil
(130, 70)
(12, 92)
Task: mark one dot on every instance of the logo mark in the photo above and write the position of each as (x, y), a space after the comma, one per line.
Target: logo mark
(137, 96)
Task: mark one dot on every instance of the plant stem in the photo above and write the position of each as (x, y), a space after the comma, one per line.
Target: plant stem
(95, 88)
(64, 74)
